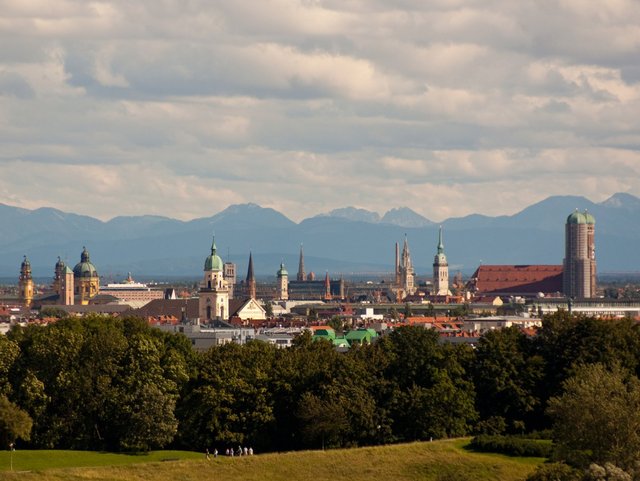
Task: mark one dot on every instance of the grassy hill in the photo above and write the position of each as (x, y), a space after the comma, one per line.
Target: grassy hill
(439, 461)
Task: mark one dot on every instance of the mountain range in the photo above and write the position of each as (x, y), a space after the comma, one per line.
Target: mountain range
(344, 241)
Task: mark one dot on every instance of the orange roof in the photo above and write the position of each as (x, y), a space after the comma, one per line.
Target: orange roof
(316, 328)
(426, 320)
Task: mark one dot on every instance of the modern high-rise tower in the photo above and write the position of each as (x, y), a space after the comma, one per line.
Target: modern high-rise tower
(579, 273)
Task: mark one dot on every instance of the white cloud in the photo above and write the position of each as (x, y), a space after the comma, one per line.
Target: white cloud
(449, 107)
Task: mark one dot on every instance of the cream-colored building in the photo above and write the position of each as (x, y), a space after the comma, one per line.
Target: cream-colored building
(283, 283)
(86, 282)
(440, 270)
(214, 290)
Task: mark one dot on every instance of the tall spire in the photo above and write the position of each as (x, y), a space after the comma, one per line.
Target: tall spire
(327, 287)
(251, 280)
(213, 245)
(440, 244)
(301, 274)
(406, 256)
(397, 281)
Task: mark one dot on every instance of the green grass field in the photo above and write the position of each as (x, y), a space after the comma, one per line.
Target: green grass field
(441, 460)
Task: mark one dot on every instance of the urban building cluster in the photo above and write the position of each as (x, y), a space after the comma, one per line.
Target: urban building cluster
(225, 310)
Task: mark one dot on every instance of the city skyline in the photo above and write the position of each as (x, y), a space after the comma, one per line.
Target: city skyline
(450, 108)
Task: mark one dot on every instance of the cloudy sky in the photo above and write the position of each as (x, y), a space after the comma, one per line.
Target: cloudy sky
(182, 107)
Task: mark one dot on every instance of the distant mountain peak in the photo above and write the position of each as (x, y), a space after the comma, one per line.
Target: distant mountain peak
(622, 200)
(405, 217)
(355, 214)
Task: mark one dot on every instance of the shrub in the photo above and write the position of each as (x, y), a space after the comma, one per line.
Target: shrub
(511, 445)
(554, 472)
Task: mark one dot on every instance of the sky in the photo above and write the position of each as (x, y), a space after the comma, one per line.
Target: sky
(183, 107)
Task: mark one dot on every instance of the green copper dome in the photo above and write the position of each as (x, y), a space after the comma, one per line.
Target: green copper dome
(589, 218)
(577, 218)
(282, 271)
(85, 268)
(213, 262)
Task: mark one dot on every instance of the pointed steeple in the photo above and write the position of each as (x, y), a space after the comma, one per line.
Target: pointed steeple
(406, 256)
(301, 274)
(213, 246)
(327, 287)
(440, 244)
(250, 276)
(251, 280)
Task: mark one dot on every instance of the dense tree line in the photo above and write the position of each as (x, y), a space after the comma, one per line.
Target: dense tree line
(116, 384)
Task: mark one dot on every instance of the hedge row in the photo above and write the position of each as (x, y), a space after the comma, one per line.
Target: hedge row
(513, 446)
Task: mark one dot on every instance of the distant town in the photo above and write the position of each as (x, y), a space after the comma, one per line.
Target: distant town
(228, 307)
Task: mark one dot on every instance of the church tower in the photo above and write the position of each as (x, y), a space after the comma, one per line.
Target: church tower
(86, 279)
(63, 283)
(301, 277)
(66, 296)
(213, 298)
(407, 274)
(579, 273)
(57, 276)
(397, 265)
(251, 279)
(327, 288)
(440, 270)
(25, 283)
(283, 283)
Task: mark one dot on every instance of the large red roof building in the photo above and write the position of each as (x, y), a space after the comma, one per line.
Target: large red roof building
(525, 280)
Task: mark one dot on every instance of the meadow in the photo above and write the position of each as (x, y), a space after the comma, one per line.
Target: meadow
(446, 460)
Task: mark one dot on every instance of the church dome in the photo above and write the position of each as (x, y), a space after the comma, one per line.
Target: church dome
(440, 258)
(85, 268)
(213, 262)
(282, 271)
(578, 218)
(589, 219)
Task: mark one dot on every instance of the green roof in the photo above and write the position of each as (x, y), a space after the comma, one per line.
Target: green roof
(213, 262)
(326, 332)
(282, 271)
(361, 335)
(340, 342)
(85, 268)
(578, 217)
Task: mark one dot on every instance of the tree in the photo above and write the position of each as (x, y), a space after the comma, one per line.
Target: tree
(323, 421)
(9, 352)
(229, 401)
(336, 324)
(427, 390)
(142, 411)
(597, 418)
(507, 375)
(268, 310)
(407, 310)
(14, 423)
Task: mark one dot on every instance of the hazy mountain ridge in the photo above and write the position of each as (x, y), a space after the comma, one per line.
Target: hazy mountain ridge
(400, 216)
(341, 241)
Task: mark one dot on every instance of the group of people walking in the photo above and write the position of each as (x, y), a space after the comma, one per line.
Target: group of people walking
(246, 451)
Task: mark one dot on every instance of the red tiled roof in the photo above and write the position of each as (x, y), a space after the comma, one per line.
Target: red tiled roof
(524, 279)
(168, 307)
